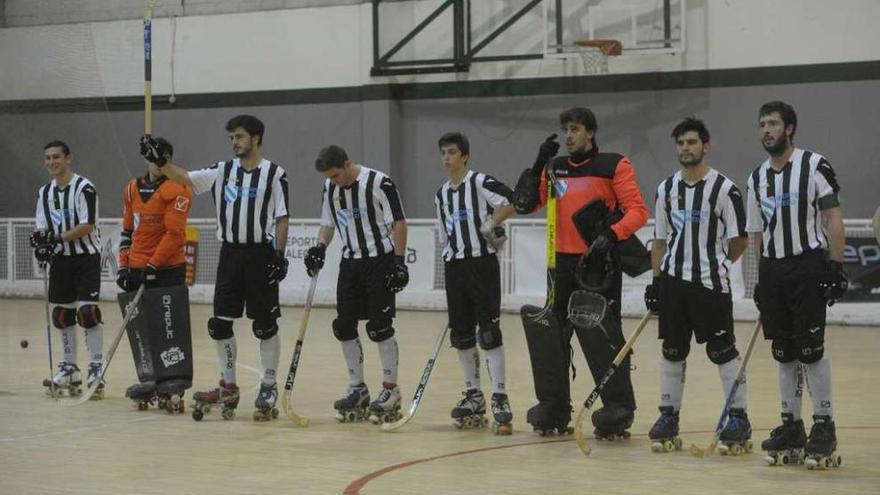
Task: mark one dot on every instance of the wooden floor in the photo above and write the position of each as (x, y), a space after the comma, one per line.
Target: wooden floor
(110, 447)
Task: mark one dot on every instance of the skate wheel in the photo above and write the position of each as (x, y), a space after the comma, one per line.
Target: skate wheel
(838, 461)
(785, 459)
(668, 446)
(180, 407)
(827, 462)
(770, 460)
(457, 424)
(657, 447)
(736, 449)
(142, 406)
(749, 446)
(198, 415)
(274, 413)
(811, 463)
(350, 416)
(228, 414)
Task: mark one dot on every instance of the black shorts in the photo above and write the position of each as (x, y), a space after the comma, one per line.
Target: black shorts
(792, 302)
(75, 278)
(243, 278)
(473, 294)
(360, 289)
(687, 308)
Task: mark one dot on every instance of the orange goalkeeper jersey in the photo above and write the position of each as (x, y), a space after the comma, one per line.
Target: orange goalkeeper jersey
(153, 223)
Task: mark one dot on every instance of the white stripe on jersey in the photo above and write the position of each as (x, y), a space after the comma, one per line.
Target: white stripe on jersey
(247, 202)
(363, 213)
(697, 221)
(784, 205)
(461, 211)
(64, 209)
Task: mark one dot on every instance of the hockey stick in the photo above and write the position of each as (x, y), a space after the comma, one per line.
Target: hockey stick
(148, 67)
(130, 311)
(588, 404)
(420, 390)
(551, 252)
(48, 331)
(740, 377)
(294, 363)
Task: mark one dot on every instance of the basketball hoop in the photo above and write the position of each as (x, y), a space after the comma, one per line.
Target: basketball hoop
(594, 54)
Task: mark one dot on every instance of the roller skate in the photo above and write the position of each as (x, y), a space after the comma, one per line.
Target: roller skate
(664, 434)
(225, 396)
(67, 378)
(786, 443)
(546, 421)
(612, 422)
(386, 407)
(470, 411)
(353, 406)
(821, 448)
(143, 394)
(169, 394)
(94, 375)
(265, 403)
(736, 437)
(502, 415)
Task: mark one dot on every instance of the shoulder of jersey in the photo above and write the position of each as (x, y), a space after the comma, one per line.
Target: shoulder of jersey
(171, 189)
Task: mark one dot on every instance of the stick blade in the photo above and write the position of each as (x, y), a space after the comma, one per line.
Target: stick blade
(579, 437)
(697, 452)
(388, 427)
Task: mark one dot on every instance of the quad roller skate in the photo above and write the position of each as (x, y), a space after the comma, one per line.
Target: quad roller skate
(67, 378)
(386, 407)
(352, 407)
(502, 415)
(612, 422)
(143, 394)
(225, 396)
(169, 395)
(786, 443)
(546, 421)
(664, 434)
(94, 375)
(265, 409)
(821, 448)
(470, 411)
(736, 437)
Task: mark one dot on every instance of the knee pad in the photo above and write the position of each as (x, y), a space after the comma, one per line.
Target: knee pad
(784, 350)
(463, 337)
(380, 329)
(63, 317)
(265, 329)
(809, 349)
(489, 336)
(675, 353)
(345, 330)
(88, 315)
(219, 329)
(721, 351)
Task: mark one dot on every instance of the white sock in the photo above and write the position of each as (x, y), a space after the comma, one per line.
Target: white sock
(388, 355)
(791, 388)
(672, 376)
(354, 359)
(68, 344)
(95, 343)
(227, 350)
(470, 366)
(497, 372)
(270, 353)
(819, 385)
(728, 372)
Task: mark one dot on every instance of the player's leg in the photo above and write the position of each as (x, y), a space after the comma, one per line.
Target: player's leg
(380, 311)
(62, 299)
(353, 405)
(264, 310)
(87, 277)
(469, 411)
(674, 331)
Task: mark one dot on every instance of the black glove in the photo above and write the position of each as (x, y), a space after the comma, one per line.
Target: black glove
(652, 296)
(153, 152)
(314, 259)
(546, 151)
(44, 238)
(44, 254)
(756, 297)
(398, 277)
(834, 282)
(123, 279)
(526, 195)
(277, 268)
(604, 242)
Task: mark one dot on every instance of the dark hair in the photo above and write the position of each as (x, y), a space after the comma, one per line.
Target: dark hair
(331, 157)
(249, 123)
(786, 111)
(583, 116)
(691, 124)
(58, 144)
(457, 139)
(165, 146)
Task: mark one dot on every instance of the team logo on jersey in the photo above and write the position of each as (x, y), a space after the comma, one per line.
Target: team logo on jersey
(181, 203)
(58, 216)
(346, 215)
(232, 192)
(770, 204)
(172, 356)
(561, 186)
(682, 217)
(455, 217)
(136, 220)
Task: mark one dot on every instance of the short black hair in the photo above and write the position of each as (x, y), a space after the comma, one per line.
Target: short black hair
(691, 124)
(786, 111)
(579, 115)
(457, 139)
(249, 123)
(58, 144)
(331, 157)
(165, 146)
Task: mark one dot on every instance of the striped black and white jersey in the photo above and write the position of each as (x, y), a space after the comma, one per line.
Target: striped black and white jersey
(62, 209)
(784, 205)
(462, 209)
(363, 213)
(697, 221)
(247, 201)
